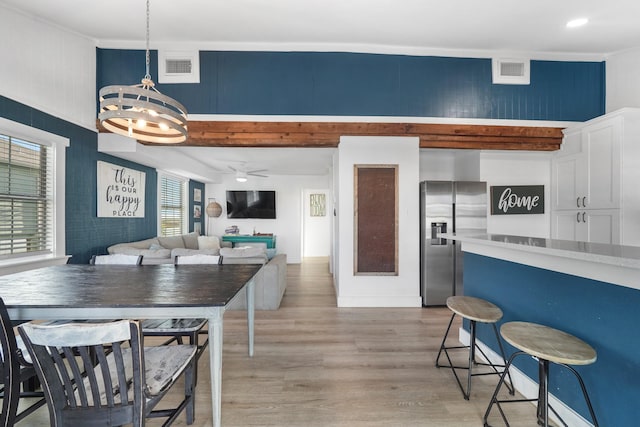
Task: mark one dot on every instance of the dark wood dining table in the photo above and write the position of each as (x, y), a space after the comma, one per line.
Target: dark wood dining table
(136, 292)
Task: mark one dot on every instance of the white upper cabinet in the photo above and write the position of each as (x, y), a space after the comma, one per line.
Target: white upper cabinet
(596, 179)
(586, 172)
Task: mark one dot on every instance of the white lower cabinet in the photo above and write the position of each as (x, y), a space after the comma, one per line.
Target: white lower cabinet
(597, 225)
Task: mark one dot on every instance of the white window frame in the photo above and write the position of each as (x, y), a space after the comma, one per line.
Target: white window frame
(58, 145)
(185, 199)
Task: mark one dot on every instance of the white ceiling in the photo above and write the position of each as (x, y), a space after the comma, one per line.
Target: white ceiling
(533, 28)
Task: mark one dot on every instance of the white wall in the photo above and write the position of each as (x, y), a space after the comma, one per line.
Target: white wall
(380, 291)
(48, 68)
(623, 80)
(518, 168)
(496, 168)
(289, 209)
(316, 229)
(437, 165)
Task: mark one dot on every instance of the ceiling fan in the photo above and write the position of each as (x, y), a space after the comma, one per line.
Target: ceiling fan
(242, 174)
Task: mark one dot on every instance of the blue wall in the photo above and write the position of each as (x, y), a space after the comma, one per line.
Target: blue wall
(604, 315)
(87, 234)
(316, 83)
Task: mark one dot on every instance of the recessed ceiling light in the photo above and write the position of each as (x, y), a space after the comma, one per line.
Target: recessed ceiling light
(577, 22)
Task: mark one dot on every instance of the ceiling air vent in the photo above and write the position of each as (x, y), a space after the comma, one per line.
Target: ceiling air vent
(510, 71)
(178, 66)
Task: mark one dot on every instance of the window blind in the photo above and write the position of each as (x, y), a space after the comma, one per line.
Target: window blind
(172, 209)
(26, 198)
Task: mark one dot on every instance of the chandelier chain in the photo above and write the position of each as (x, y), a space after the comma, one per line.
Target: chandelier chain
(148, 75)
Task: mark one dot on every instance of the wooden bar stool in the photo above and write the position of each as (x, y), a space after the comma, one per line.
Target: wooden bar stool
(546, 345)
(475, 310)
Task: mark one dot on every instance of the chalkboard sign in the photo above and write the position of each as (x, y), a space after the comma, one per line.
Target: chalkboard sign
(517, 199)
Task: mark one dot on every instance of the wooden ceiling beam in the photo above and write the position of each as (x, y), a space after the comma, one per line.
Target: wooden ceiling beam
(327, 134)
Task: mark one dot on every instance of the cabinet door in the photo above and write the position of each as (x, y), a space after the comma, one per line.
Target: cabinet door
(568, 181)
(596, 226)
(568, 178)
(565, 226)
(601, 144)
(603, 225)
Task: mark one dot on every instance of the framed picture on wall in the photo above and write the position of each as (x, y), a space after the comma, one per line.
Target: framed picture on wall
(197, 195)
(197, 211)
(197, 227)
(120, 191)
(318, 205)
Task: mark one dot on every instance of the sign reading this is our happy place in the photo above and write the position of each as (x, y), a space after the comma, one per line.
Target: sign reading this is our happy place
(517, 199)
(120, 191)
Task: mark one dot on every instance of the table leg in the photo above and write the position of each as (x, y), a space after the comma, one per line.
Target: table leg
(215, 361)
(251, 298)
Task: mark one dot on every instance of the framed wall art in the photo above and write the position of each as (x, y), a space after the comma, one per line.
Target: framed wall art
(120, 191)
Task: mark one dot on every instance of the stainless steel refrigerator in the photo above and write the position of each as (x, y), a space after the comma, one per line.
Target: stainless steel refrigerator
(447, 207)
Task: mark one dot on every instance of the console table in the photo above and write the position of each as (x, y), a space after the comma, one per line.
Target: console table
(270, 240)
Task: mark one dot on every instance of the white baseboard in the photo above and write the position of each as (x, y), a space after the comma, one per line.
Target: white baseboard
(379, 301)
(529, 388)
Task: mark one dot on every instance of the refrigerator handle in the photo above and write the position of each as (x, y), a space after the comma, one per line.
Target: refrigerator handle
(436, 228)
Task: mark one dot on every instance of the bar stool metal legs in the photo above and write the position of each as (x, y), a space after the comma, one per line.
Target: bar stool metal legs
(547, 345)
(460, 305)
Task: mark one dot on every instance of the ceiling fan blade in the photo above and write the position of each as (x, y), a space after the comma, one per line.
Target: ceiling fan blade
(256, 170)
(257, 174)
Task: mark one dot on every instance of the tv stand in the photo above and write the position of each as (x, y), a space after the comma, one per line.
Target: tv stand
(238, 239)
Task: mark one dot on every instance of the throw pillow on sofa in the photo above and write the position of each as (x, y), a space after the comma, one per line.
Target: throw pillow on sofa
(171, 242)
(208, 242)
(190, 240)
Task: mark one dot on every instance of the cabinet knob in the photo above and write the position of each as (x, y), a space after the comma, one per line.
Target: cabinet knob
(584, 202)
(578, 202)
(578, 217)
(583, 220)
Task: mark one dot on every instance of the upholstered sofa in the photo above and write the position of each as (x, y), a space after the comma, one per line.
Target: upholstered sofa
(163, 250)
(270, 281)
(270, 284)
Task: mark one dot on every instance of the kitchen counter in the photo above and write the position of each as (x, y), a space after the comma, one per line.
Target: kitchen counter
(586, 289)
(609, 263)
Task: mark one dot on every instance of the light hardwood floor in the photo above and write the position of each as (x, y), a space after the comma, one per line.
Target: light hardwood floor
(319, 365)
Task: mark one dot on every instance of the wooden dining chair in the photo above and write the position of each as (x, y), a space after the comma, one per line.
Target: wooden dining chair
(103, 375)
(116, 259)
(17, 375)
(176, 330)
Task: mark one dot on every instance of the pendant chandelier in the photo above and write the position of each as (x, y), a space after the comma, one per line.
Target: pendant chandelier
(141, 111)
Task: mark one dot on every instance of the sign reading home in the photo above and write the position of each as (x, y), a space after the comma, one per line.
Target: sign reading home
(120, 191)
(517, 199)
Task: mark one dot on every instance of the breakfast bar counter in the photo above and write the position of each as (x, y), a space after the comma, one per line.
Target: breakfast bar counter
(589, 290)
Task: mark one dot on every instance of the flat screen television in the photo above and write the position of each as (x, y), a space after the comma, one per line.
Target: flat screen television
(251, 204)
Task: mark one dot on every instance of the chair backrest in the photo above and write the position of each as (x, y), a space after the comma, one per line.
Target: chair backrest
(116, 259)
(84, 366)
(10, 369)
(197, 259)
